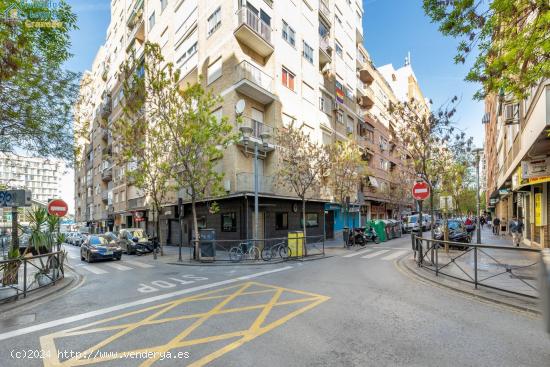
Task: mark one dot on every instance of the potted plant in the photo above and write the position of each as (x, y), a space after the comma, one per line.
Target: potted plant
(40, 240)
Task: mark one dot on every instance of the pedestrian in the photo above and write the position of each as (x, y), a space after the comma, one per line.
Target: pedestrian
(516, 228)
(496, 226)
(482, 221)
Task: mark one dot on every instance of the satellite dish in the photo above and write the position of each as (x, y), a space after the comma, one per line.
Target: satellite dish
(239, 106)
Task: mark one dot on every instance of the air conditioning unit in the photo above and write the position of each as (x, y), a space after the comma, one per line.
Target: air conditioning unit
(511, 113)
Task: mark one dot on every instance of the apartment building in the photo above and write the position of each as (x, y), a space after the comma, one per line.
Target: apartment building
(283, 60)
(517, 152)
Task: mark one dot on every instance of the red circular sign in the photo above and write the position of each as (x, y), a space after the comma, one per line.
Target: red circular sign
(58, 208)
(421, 191)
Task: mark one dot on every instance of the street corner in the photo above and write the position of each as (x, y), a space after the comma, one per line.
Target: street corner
(197, 329)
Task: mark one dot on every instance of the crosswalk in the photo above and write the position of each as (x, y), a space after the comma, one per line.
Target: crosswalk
(379, 253)
(105, 267)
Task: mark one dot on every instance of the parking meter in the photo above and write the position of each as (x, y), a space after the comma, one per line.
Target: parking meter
(545, 288)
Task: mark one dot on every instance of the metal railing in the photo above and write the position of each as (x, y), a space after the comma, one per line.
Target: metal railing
(324, 44)
(258, 128)
(489, 266)
(18, 277)
(263, 250)
(245, 70)
(323, 8)
(250, 19)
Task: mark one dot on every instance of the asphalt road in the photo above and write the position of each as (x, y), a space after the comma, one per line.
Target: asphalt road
(353, 309)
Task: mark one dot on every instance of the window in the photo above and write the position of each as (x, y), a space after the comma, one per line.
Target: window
(339, 49)
(325, 103)
(152, 21)
(214, 71)
(288, 34)
(163, 4)
(281, 221)
(287, 78)
(229, 222)
(214, 21)
(340, 116)
(308, 52)
(312, 220)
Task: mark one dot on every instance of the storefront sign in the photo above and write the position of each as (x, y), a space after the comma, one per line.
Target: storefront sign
(503, 191)
(536, 168)
(538, 209)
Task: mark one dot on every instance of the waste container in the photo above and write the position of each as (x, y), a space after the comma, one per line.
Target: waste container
(207, 244)
(397, 228)
(380, 229)
(389, 229)
(296, 243)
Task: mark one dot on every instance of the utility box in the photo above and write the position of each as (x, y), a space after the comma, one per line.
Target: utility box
(296, 243)
(207, 244)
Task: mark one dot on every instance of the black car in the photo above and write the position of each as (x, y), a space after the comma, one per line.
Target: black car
(457, 232)
(97, 247)
(134, 241)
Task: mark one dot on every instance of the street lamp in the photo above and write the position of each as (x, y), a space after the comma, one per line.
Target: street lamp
(478, 152)
(248, 138)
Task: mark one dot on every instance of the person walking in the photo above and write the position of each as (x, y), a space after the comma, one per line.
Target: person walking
(516, 228)
(496, 226)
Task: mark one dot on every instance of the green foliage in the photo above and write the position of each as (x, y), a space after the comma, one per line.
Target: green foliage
(347, 169)
(37, 94)
(511, 38)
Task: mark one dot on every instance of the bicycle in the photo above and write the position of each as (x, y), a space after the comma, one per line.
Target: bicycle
(244, 249)
(280, 249)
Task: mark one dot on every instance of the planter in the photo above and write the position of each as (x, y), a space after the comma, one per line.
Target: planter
(7, 292)
(43, 279)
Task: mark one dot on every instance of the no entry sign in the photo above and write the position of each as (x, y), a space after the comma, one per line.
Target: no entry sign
(58, 207)
(421, 191)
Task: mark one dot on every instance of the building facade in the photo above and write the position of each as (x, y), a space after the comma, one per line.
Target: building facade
(284, 61)
(517, 152)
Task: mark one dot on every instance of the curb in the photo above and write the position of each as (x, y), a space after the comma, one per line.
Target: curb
(229, 263)
(403, 265)
(66, 284)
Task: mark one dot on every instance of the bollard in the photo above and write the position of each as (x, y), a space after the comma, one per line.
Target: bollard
(545, 288)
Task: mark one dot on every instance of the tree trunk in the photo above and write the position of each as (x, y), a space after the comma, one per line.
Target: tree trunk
(157, 230)
(432, 211)
(195, 228)
(305, 224)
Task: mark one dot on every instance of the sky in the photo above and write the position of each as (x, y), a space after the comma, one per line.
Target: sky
(392, 28)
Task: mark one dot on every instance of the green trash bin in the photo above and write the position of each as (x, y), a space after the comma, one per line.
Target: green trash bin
(380, 228)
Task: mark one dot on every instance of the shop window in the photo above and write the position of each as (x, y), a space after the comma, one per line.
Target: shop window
(281, 221)
(312, 220)
(229, 222)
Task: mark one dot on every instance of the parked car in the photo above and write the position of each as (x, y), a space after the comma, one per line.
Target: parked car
(457, 232)
(134, 241)
(97, 247)
(77, 239)
(111, 237)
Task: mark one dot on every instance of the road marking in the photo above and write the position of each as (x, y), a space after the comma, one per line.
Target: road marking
(138, 264)
(94, 269)
(103, 311)
(246, 330)
(118, 266)
(395, 255)
(374, 254)
(358, 253)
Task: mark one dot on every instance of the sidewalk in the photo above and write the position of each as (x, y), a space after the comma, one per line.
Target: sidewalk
(512, 269)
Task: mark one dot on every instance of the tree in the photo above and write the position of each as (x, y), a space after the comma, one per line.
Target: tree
(429, 138)
(37, 94)
(347, 169)
(141, 139)
(196, 138)
(302, 164)
(511, 37)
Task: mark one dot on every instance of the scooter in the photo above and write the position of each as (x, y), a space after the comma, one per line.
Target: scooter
(357, 237)
(370, 235)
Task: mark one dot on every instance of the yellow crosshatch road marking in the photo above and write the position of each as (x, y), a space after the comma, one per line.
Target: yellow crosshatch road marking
(154, 315)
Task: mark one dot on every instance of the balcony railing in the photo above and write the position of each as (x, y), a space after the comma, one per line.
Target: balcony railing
(258, 128)
(246, 70)
(245, 182)
(249, 18)
(324, 9)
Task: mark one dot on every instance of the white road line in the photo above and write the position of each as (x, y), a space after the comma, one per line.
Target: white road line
(374, 254)
(103, 311)
(138, 264)
(118, 266)
(357, 253)
(395, 255)
(94, 269)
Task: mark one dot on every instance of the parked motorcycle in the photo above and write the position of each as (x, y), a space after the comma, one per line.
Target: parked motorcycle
(357, 237)
(370, 235)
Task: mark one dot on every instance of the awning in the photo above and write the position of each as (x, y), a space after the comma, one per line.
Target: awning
(373, 181)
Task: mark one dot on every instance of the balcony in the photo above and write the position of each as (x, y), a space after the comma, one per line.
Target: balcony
(106, 108)
(366, 99)
(253, 32)
(366, 75)
(136, 13)
(137, 27)
(324, 11)
(325, 51)
(104, 195)
(107, 173)
(254, 83)
(245, 183)
(257, 130)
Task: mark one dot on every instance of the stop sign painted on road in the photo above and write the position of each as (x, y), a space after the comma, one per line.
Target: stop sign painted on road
(421, 191)
(58, 207)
